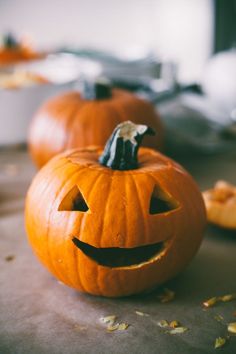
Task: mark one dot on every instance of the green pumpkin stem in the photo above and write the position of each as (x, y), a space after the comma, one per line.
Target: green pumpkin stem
(9, 41)
(121, 150)
(99, 89)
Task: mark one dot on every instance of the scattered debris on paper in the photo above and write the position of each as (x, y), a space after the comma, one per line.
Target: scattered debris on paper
(219, 342)
(112, 325)
(9, 258)
(232, 327)
(139, 313)
(166, 295)
(214, 300)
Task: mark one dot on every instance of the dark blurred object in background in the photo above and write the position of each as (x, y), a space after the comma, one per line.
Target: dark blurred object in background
(225, 25)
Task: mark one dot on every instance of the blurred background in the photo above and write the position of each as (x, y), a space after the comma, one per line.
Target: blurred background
(178, 54)
(182, 31)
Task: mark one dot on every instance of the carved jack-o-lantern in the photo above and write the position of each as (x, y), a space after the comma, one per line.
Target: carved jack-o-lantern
(115, 223)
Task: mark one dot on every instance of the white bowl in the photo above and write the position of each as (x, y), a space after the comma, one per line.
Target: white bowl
(17, 106)
(219, 82)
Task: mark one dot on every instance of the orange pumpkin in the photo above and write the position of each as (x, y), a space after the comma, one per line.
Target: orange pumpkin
(220, 204)
(114, 224)
(76, 119)
(13, 51)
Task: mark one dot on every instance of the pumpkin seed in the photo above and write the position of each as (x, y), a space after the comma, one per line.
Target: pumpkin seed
(163, 323)
(174, 324)
(219, 342)
(139, 313)
(211, 302)
(232, 327)
(112, 327)
(123, 326)
(108, 319)
(178, 330)
(167, 295)
(228, 297)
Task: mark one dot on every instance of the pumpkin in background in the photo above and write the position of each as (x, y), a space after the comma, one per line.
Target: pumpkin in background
(220, 204)
(76, 119)
(13, 51)
(114, 223)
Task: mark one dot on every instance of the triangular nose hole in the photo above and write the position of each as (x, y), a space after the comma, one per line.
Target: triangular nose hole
(73, 201)
(161, 202)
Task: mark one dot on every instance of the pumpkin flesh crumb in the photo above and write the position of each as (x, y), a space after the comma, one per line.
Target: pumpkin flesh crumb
(117, 326)
(220, 204)
(163, 323)
(173, 327)
(219, 342)
(214, 300)
(210, 302)
(219, 318)
(166, 296)
(228, 297)
(139, 313)
(174, 324)
(232, 327)
(78, 327)
(110, 320)
(111, 325)
(9, 258)
(178, 330)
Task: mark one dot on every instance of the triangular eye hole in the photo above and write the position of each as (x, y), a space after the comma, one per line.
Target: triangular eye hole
(161, 202)
(73, 201)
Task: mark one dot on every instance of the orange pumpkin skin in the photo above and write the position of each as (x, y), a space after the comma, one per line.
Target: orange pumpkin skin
(14, 50)
(118, 216)
(16, 55)
(69, 121)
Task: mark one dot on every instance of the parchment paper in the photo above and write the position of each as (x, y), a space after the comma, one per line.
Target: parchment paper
(38, 315)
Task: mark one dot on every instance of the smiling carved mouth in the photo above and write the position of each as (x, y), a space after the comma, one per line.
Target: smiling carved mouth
(115, 257)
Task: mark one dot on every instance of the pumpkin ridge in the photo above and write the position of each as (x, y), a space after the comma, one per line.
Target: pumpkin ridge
(143, 212)
(48, 238)
(58, 167)
(77, 260)
(78, 111)
(81, 170)
(100, 275)
(97, 178)
(106, 205)
(35, 140)
(70, 123)
(48, 222)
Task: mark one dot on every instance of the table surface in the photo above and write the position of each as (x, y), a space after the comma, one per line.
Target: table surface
(40, 315)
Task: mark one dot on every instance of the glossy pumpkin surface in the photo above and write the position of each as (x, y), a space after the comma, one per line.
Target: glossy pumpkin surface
(71, 121)
(110, 232)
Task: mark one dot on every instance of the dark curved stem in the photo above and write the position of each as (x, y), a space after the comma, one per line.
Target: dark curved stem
(10, 41)
(121, 150)
(99, 89)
